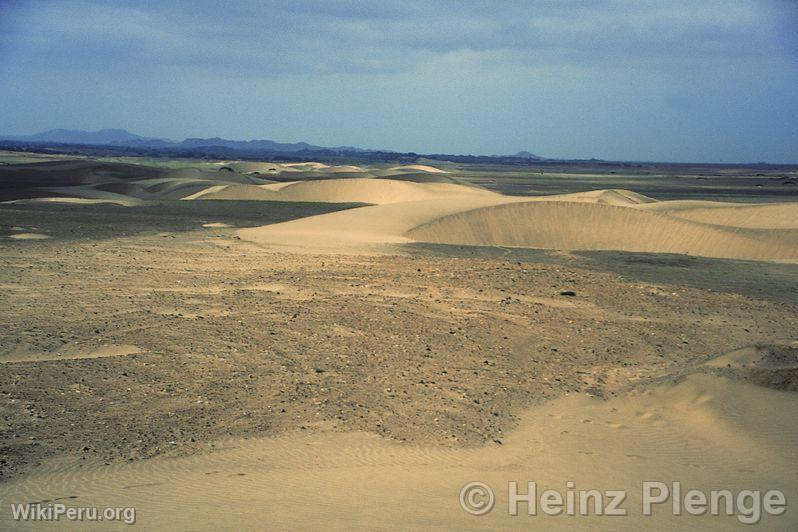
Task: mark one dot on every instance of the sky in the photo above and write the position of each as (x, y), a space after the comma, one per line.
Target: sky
(669, 80)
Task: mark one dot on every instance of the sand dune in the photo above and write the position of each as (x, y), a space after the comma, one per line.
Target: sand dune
(92, 193)
(409, 168)
(196, 174)
(24, 181)
(597, 220)
(361, 228)
(762, 216)
(74, 172)
(248, 167)
(417, 176)
(215, 225)
(307, 166)
(567, 225)
(618, 197)
(373, 191)
(176, 188)
(178, 184)
(29, 236)
(78, 201)
(312, 175)
(342, 169)
(376, 191)
(357, 417)
(253, 167)
(437, 208)
(232, 192)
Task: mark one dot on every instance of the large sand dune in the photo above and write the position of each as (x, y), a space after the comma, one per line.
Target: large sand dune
(567, 225)
(598, 220)
(361, 228)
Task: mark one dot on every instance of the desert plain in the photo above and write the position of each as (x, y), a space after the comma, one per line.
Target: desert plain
(307, 345)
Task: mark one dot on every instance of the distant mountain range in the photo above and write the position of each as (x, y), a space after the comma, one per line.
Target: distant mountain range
(527, 155)
(122, 140)
(121, 137)
(68, 136)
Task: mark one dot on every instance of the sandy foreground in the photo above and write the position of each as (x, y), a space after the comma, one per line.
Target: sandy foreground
(358, 368)
(705, 431)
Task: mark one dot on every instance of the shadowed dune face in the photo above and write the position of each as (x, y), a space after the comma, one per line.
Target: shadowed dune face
(121, 187)
(27, 180)
(195, 174)
(253, 167)
(174, 188)
(567, 225)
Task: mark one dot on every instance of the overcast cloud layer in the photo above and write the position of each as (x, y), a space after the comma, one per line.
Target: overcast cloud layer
(635, 80)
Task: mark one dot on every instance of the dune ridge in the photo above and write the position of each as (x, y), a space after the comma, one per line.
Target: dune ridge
(350, 190)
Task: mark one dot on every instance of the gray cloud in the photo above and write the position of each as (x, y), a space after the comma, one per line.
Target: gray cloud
(333, 36)
(628, 61)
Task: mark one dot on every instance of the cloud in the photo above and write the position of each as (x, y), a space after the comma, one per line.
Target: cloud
(324, 37)
(552, 76)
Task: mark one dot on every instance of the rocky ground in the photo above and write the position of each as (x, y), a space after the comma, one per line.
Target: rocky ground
(236, 340)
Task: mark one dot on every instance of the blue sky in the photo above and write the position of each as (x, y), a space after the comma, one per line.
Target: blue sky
(635, 80)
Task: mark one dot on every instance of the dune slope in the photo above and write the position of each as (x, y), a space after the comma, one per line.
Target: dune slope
(763, 216)
(567, 225)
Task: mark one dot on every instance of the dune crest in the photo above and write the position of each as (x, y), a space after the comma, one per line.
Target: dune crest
(418, 168)
(350, 190)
